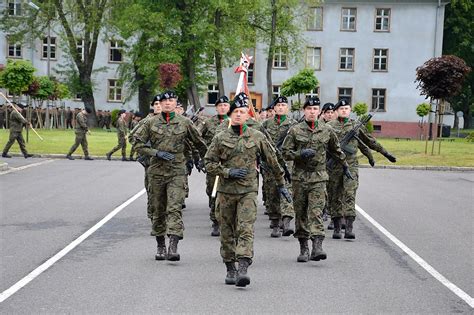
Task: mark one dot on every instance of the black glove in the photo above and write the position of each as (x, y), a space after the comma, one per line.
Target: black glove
(189, 166)
(287, 175)
(390, 157)
(307, 153)
(371, 162)
(165, 155)
(199, 163)
(285, 193)
(237, 172)
(346, 171)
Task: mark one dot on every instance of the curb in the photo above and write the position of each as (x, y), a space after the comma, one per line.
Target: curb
(3, 166)
(63, 157)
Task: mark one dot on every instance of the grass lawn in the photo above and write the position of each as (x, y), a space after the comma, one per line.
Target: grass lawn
(457, 153)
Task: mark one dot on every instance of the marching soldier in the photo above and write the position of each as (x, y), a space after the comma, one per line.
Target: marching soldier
(233, 156)
(162, 139)
(306, 145)
(209, 130)
(136, 120)
(16, 121)
(81, 138)
(277, 209)
(121, 135)
(343, 191)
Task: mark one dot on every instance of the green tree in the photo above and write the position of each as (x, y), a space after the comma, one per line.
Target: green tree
(301, 83)
(422, 110)
(17, 76)
(361, 110)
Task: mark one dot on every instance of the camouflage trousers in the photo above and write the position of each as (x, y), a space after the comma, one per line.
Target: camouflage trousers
(236, 215)
(342, 192)
(277, 206)
(309, 201)
(210, 179)
(149, 209)
(81, 139)
(19, 138)
(165, 196)
(122, 144)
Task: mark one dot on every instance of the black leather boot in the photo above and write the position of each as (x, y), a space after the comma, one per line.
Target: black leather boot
(337, 229)
(349, 226)
(215, 229)
(231, 277)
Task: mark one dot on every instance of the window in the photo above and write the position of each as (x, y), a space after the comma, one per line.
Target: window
(345, 93)
(377, 128)
(212, 94)
(279, 58)
(314, 92)
(346, 59)
(276, 91)
(14, 7)
(251, 70)
(348, 21)
(313, 58)
(382, 20)
(115, 91)
(14, 49)
(380, 59)
(315, 19)
(378, 100)
(80, 48)
(52, 48)
(115, 52)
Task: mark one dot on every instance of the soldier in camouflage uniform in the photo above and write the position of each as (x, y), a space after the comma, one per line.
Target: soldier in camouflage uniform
(133, 124)
(278, 209)
(17, 121)
(306, 145)
(343, 191)
(233, 156)
(122, 130)
(209, 129)
(162, 139)
(81, 134)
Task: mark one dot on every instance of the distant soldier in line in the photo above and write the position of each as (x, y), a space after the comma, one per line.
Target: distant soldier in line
(17, 122)
(306, 145)
(81, 138)
(343, 191)
(162, 138)
(122, 130)
(134, 123)
(107, 120)
(210, 128)
(2, 116)
(100, 119)
(233, 156)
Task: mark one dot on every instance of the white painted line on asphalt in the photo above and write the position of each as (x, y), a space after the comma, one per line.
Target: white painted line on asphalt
(35, 273)
(20, 168)
(420, 261)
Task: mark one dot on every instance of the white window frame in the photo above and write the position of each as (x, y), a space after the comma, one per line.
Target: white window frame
(15, 47)
(251, 70)
(385, 19)
(346, 18)
(115, 45)
(52, 48)
(345, 95)
(345, 53)
(276, 91)
(80, 48)
(376, 99)
(311, 57)
(314, 92)
(280, 56)
(379, 58)
(14, 5)
(215, 89)
(315, 19)
(112, 85)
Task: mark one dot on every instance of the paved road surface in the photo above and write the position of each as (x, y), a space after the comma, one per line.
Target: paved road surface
(47, 206)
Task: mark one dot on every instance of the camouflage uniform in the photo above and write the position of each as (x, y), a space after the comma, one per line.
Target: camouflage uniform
(122, 142)
(236, 204)
(166, 179)
(16, 126)
(133, 125)
(81, 131)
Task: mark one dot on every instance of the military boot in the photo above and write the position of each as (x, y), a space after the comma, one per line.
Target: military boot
(276, 228)
(337, 229)
(331, 225)
(27, 155)
(231, 276)
(215, 229)
(349, 225)
(173, 248)
(161, 248)
(287, 230)
(343, 223)
(242, 278)
(317, 253)
(304, 250)
(5, 155)
(69, 157)
(108, 155)
(273, 223)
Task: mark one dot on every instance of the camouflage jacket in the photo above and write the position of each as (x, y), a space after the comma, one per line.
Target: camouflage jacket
(210, 128)
(229, 150)
(16, 122)
(342, 127)
(121, 128)
(81, 123)
(135, 128)
(252, 123)
(158, 135)
(321, 139)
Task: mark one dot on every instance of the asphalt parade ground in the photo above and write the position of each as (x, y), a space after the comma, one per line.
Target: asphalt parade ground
(75, 239)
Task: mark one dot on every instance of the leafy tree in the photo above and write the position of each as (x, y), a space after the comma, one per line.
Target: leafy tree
(360, 109)
(423, 109)
(303, 82)
(17, 76)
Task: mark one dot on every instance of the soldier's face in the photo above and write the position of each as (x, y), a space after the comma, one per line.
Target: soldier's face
(270, 113)
(329, 115)
(281, 109)
(239, 116)
(157, 107)
(263, 115)
(168, 105)
(344, 111)
(311, 113)
(222, 108)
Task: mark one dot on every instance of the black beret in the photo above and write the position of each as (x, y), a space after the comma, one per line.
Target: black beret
(312, 101)
(222, 99)
(328, 106)
(156, 98)
(342, 102)
(138, 114)
(168, 94)
(88, 110)
(240, 100)
(271, 105)
(151, 111)
(280, 99)
(122, 111)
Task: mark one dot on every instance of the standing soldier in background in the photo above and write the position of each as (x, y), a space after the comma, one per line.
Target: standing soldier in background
(17, 122)
(81, 138)
(306, 145)
(233, 156)
(343, 191)
(210, 128)
(2, 116)
(278, 210)
(107, 120)
(69, 115)
(136, 120)
(122, 130)
(162, 139)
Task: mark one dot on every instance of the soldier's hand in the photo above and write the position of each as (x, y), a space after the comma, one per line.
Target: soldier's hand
(307, 153)
(189, 166)
(390, 157)
(372, 162)
(285, 193)
(199, 163)
(165, 155)
(346, 171)
(238, 172)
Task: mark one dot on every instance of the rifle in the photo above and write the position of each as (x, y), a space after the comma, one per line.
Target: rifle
(194, 117)
(348, 137)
